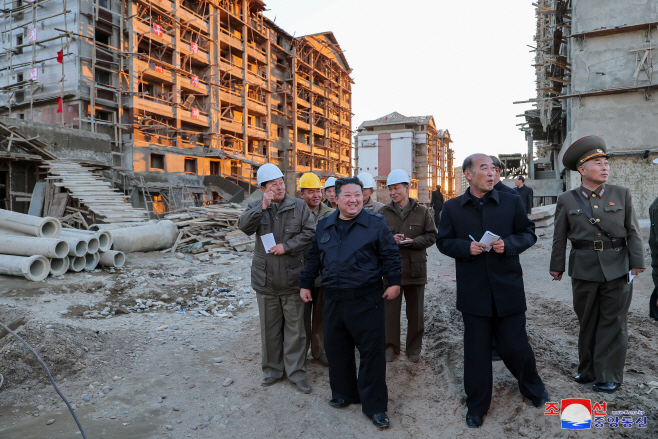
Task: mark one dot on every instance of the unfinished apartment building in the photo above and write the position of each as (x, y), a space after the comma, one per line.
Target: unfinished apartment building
(414, 144)
(594, 74)
(195, 94)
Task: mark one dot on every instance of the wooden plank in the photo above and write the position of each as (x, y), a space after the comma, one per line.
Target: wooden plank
(58, 205)
(36, 202)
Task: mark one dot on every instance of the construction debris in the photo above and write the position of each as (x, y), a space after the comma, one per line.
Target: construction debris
(210, 229)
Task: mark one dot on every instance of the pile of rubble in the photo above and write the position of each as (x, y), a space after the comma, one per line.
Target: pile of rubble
(211, 229)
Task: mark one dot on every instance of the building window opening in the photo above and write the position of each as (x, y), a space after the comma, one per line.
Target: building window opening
(157, 161)
(190, 166)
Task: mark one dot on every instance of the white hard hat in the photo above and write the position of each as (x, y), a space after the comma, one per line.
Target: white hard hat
(268, 172)
(367, 180)
(330, 182)
(397, 176)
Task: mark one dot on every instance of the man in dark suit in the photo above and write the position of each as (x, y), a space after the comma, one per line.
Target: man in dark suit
(526, 193)
(436, 204)
(498, 185)
(490, 291)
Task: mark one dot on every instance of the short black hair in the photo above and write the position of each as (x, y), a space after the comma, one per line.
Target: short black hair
(496, 162)
(520, 177)
(347, 180)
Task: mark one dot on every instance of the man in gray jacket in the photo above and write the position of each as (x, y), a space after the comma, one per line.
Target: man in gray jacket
(275, 276)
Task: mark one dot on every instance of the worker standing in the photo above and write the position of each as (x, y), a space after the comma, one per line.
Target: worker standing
(600, 222)
(653, 245)
(310, 189)
(436, 204)
(368, 189)
(330, 192)
(414, 231)
(275, 276)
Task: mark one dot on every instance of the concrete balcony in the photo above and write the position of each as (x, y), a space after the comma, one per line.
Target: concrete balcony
(230, 39)
(231, 97)
(256, 107)
(303, 125)
(231, 125)
(303, 82)
(303, 102)
(226, 66)
(147, 70)
(202, 56)
(147, 31)
(186, 116)
(257, 132)
(193, 20)
(303, 147)
(257, 54)
(256, 79)
(186, 84)
(317, 130)
(153, 106)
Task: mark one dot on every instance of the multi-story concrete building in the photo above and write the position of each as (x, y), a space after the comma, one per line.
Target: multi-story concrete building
(594, 74)
(192, 92)
(412, 143)
(461, 184)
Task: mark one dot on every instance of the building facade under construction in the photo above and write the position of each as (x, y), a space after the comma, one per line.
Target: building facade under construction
(594, 75)
(195, 94)
(413, 144)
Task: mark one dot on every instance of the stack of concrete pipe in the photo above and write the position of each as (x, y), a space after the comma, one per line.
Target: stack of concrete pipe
(35, 247)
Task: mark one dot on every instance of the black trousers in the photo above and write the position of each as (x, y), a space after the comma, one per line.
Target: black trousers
(513, 348)
(653, 308)
(358, 322)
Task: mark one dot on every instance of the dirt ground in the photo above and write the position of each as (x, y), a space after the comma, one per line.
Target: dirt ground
(151, 368)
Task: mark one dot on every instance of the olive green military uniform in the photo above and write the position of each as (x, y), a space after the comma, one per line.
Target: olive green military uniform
(276, 281)
(653, 245)
(417, 222)
(313, 309)
(601, 294)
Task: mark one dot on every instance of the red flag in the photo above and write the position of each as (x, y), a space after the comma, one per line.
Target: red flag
(59, 105)
(60, 56)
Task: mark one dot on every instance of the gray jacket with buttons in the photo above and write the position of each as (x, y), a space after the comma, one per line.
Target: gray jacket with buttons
(292, 225)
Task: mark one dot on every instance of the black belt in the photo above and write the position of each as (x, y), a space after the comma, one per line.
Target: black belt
(598, 245)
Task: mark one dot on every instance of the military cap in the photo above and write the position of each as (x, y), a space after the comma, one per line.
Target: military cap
(582, 150)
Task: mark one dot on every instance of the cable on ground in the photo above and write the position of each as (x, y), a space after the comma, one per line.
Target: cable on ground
(49, 376)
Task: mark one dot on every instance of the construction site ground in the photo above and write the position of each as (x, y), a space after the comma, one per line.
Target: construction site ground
(164, 372)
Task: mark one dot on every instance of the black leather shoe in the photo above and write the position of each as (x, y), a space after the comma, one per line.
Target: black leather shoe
(542, 400)
(380, 420)
(341, 403)
(473, 421)
(495, 356)
(606, 387)
(581, 380)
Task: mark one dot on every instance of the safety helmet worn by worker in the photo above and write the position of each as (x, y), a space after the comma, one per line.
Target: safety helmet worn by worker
(267, 172)
(329, 182)
(397, 176)
(309, 181)
(367, 180)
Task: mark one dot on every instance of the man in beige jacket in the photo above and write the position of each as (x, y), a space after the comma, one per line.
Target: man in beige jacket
(275, 276)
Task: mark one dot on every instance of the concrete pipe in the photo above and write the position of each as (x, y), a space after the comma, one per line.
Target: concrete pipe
(113, 226)
(35, 268)
(91, 261)
(77, 246)
(145, 238)
(30, 225)
(90, 240)
(77, 263)
(104, 237)
(30, 246)
(59, 266)
(112, 258)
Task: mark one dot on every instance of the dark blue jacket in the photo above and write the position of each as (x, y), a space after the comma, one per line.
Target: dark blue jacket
(488, 275)
(502, 187)
(526, 194)
(353, 266)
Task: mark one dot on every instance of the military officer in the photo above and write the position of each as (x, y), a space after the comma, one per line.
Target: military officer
(600, 222)
(653, 244)
(310, 190)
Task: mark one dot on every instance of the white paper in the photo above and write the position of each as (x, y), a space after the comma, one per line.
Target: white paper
(268, 242)
(489, 238)
(630, 276)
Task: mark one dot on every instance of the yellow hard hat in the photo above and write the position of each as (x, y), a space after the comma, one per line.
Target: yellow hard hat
(309, 181)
